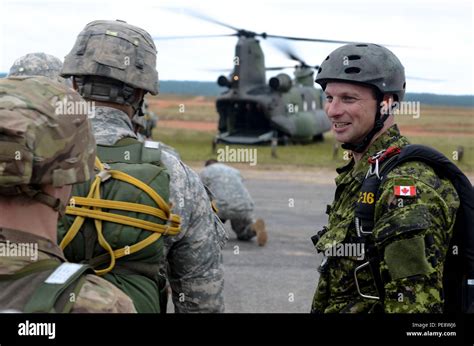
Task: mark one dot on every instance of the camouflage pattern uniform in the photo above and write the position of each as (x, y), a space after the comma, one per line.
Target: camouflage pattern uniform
(411, 233)
(194, 256)
(96, 295)
(38, 64)
(144, 126)
(232, 199)
(42, 146)
(147, 122)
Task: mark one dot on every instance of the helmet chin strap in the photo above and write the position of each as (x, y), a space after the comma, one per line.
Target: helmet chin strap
(38, 195)
(378, 125)
(138, 109)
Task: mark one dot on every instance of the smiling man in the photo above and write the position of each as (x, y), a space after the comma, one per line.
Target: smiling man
(404, 220)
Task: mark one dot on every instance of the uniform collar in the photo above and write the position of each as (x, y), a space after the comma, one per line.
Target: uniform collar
(44, 245)
(111, 125)
(358, 170)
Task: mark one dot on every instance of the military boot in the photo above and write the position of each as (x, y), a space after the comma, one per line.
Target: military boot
(259, 228)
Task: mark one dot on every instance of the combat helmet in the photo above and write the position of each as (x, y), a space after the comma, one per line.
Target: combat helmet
(37, 64)
(110, 60)
(366, 64)
(40, 143)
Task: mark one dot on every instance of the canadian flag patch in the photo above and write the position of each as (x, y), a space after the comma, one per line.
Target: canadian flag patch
(400, 190)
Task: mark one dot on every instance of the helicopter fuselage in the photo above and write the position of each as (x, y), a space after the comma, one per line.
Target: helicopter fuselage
(253, 112)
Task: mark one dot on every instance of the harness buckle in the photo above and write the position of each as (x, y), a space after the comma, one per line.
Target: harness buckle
(104, 175)
(366, 296)
(373, 169)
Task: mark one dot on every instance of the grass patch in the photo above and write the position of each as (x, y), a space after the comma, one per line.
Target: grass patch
(448, 145)
(196, 146)
(444, 128)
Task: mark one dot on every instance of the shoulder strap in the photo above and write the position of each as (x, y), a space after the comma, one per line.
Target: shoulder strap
(463, 237)
(446, 169)
(46, 296)
(36, 267)
(130, 150)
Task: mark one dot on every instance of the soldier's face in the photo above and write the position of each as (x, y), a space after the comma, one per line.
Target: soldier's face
(351, 109)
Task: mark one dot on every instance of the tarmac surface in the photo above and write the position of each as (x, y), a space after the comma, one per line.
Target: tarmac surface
(280, 277)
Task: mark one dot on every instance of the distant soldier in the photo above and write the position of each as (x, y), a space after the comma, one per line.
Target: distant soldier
(146, 121)
(233, 201)
(43, 152)
(38, 64)
(144, 124)
(116, 80)
(401, 229)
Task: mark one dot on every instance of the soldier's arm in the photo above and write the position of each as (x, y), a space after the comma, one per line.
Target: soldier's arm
(412, 233)
(195, 269)
(100, 296)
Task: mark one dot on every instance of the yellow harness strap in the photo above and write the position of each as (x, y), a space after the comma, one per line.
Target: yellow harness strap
(94, 201)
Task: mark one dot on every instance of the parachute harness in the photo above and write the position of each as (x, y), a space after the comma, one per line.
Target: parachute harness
(92, 208)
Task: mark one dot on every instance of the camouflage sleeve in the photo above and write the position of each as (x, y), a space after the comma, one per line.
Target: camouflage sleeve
(412, 234)
(100, 296)
(194, 256)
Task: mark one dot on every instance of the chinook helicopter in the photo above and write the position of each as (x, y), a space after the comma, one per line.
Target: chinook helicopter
(252, 111)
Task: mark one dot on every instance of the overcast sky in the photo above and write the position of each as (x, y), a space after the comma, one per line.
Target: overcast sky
(440, 32)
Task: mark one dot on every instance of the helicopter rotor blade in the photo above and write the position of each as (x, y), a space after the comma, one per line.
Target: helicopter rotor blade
(310, 39)
(293, 38)
(278, 68)
(157, 38)
(290, 52)
(198, 15)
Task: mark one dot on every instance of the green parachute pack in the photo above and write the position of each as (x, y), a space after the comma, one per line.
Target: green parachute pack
(115, 221)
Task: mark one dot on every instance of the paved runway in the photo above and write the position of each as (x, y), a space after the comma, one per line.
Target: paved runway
(280, 277)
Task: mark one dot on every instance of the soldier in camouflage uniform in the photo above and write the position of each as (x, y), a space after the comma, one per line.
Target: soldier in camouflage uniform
(144, 125)
(233, 201)
(43, 152)
(38, 64)
(116, 81)
(412, 229)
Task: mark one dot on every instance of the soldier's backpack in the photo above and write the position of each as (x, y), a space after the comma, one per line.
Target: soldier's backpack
(115, 221)
(458, 275)
(46, 286)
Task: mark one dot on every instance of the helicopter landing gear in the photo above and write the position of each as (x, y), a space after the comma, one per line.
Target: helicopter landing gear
(214, 145)
(274, 144)
(284, 140)
(318, 138)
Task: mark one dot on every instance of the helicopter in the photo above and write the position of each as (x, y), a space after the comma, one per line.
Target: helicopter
(252, 111)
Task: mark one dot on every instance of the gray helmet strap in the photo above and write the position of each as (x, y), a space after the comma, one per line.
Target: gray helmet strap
(139, 110)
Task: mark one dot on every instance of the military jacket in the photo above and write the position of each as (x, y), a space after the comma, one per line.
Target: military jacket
(411, 233)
